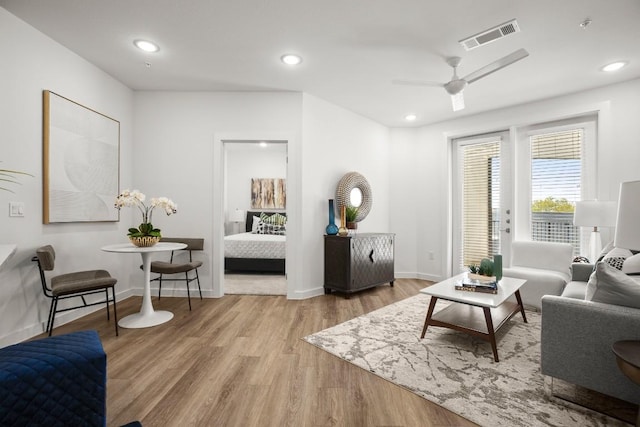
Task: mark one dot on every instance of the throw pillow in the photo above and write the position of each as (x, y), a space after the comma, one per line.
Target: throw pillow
(265, 228)
(618, 252)
(616, 256)
(254, 224)
(611, 286)
(275, 218)
(631, 265)
(615, 262)
(608, 248)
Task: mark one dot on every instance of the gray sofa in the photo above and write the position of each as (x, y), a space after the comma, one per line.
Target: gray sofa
(577, 336)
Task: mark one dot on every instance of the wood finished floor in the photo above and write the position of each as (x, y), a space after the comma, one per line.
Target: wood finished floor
(240, 361)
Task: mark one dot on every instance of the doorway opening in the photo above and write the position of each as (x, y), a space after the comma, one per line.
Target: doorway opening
(254, 223)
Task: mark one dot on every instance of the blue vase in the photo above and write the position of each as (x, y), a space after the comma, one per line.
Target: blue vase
(331, 229)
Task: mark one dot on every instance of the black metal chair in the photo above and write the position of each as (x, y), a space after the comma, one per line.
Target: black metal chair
(163, 268)
(73, 285)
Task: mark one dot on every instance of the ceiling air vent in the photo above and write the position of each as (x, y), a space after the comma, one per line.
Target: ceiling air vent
(490, 35)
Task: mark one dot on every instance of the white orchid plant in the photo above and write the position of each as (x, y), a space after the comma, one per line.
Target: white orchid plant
(136, 198)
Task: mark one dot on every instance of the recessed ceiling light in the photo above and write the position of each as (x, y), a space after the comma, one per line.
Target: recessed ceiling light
(614, 66)
(147, 46)
(410, 117)
(263, 144)
(291, 59)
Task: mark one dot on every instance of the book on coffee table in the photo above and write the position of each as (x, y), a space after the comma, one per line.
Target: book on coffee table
(477, 285)
(483, 289)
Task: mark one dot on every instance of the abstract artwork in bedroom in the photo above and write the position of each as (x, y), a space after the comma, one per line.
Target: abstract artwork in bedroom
(268, 193)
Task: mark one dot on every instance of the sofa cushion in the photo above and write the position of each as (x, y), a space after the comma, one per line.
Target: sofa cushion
(539, 283)
(575, 289)
(631, 265)
(611, 286)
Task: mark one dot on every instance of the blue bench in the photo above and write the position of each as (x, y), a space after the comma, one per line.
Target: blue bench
(55, 381)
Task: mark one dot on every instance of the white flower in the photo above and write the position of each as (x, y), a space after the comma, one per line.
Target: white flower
(136, 198)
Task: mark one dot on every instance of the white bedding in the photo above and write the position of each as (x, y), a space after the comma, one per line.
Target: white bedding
(249, 245)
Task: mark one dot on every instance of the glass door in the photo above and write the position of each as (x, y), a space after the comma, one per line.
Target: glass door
(481, 203)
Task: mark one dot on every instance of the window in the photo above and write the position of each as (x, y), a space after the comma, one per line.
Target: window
(559, 179)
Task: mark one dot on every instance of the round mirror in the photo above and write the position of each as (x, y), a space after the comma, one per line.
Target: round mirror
(356, 197)
(354, 190)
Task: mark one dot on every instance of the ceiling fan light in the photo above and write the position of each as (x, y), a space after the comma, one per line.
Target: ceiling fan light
(457, 101)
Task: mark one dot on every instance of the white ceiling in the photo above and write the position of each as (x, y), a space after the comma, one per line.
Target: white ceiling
(352, 49)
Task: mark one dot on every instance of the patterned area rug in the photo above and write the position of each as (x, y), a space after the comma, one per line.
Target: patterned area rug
(456, 370)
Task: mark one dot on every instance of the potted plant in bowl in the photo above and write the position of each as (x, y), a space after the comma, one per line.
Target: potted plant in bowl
(351, 214)
(145, 234)
(483, 271)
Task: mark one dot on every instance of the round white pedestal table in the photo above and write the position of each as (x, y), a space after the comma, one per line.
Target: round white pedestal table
(147, 316)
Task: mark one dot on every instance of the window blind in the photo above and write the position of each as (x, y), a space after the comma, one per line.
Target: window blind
(480, 201)
(556, 176)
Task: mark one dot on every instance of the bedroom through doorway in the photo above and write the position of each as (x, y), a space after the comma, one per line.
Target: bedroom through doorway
(255, 217)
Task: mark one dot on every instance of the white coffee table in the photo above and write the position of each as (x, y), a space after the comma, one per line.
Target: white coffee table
(474, 313)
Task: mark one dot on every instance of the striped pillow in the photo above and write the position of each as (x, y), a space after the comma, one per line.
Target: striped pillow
(276, 218)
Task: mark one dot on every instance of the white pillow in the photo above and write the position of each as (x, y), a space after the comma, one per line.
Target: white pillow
(631, 264)
(609, 247)
(254, 224)
(618, 253)
(611, 286)
(616, 257)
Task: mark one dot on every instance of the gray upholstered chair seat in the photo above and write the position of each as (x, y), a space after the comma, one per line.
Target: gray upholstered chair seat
(174, 266)
(73, 285)
(163, 267)
(81, 281)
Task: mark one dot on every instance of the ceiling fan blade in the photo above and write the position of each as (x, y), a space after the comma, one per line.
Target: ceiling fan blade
(496, 65)
(417, 83)
(457, 101)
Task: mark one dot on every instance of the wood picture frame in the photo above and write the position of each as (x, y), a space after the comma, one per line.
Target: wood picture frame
(81, 162)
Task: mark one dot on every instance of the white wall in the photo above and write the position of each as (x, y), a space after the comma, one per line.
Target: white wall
(337, 141)
(180, 135)
(426, 151)
(31, 63)
(178, 132)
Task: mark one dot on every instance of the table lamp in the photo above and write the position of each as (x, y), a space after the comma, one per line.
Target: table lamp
(595, 213)
(237, 217)
(628, 225)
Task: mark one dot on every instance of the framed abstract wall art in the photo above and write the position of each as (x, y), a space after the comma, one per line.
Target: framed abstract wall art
(268, 193)
(81, 150)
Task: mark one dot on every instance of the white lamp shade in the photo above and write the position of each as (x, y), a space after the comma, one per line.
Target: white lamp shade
(628, 224)
(595, 213)
(237, 215)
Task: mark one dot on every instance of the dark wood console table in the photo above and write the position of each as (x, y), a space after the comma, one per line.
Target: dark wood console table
(357, 262)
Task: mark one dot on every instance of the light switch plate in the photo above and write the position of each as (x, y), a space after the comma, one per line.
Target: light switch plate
(16, 209)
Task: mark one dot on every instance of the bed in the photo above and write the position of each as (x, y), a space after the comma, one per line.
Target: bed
(254, 251)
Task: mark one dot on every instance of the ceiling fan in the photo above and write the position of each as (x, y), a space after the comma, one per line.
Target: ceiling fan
(456, 85)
